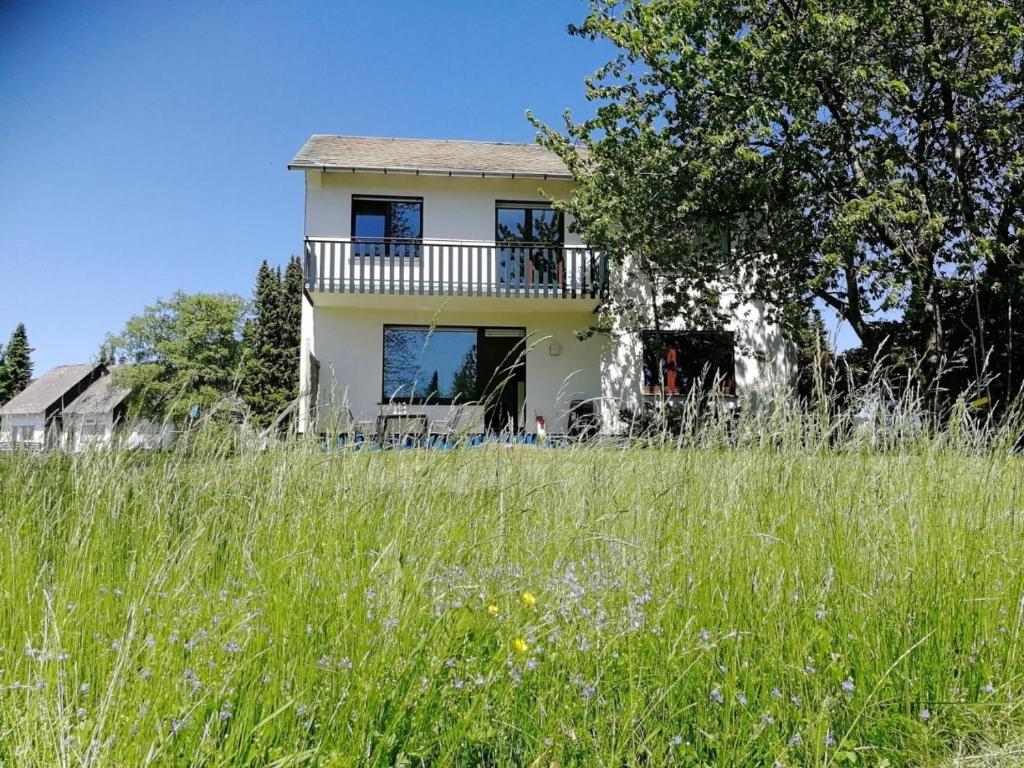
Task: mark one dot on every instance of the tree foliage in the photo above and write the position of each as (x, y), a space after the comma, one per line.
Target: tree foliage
(271, 342)
(181, 353)
(868, 156)
(15, 364)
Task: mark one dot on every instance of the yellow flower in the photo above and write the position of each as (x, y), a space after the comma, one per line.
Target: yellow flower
(528, 598)
(520, 645)
(492, 609)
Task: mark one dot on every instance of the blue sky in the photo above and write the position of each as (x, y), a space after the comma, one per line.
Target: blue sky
(143, 146)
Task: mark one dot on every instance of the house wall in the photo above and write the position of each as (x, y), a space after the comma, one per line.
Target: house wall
(37, 421)
(75, 427)
(348, 342)
(454, 208)
(764, 359)
(137, 435)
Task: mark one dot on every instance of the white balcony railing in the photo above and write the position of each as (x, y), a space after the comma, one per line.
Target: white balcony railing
(449, 268)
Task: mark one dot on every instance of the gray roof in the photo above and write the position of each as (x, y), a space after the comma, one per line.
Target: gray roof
(48, 389)
(101, 397)
(434, 157)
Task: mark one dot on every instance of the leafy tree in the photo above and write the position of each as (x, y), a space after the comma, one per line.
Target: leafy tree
(271, 342)
(15, 364)
(866, 156)
(183, 352)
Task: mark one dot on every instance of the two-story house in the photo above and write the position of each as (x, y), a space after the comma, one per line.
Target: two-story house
(441, 283)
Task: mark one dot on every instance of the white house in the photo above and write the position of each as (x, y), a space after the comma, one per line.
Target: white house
(33, 419)
(92, 418)
(441, 286)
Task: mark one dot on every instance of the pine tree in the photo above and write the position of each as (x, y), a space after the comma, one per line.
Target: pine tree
(16, 366)
(258, 338)
(3, 377)
(291, 330)
(271, 341)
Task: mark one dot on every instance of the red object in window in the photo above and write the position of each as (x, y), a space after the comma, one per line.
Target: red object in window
(672, 370)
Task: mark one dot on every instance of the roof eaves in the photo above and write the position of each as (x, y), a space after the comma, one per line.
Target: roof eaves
(397, 170)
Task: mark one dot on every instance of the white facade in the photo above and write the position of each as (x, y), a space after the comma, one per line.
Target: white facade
(343, 322)
(23, 431)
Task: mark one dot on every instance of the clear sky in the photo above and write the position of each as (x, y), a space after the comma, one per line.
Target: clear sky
(143, 146)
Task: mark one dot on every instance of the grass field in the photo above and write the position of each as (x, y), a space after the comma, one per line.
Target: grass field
(591, 607)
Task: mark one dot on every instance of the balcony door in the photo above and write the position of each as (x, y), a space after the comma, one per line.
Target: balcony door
(530, 239)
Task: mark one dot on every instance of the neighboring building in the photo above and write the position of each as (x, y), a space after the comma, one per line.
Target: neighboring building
(431, 265)
(94, 415)
(33, 418)
(98, 418)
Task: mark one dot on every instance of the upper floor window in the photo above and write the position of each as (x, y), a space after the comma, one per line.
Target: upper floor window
(387, 226)
(530, 238)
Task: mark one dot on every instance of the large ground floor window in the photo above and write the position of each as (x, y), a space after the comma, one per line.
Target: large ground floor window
(437, 365)
(677, 361)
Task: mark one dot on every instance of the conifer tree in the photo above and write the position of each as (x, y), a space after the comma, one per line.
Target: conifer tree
(258, 338)
(15, 364)
(271, 340)
(291, 329)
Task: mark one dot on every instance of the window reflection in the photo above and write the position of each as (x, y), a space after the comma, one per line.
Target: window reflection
(530, 239)
(384, 227)
(436, 365)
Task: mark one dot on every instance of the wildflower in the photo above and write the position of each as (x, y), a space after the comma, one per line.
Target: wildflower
(988, 688)
(830, 739)
(796, 700)
(796, 740)
(767, 719)
(532, 664)
(741, 699)
(776, 693)
(80, 712)
(83, 688)
(520, 645)
(528, 599)
(847, 685)
(925, 715)
(232, 647)
(588, 692)
(225, 714)
(676, 740)
(492, 609)
(716, 695)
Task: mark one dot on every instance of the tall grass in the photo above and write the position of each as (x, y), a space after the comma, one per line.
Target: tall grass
(761, 605)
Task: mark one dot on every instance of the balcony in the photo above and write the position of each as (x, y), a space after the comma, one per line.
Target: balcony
(454, 268)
